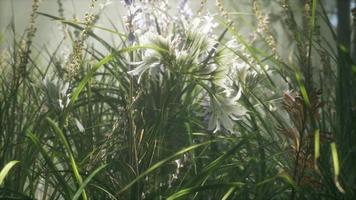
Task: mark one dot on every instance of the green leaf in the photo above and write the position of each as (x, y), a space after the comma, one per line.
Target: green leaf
(316, 148)
(87, 77)
(67, 190)
(336, 167)
(335, 159)
(105, 60)
(162, 162)
(303, 91)
(86, 181)
(284, 175)
(229, 192)
(195, 189)
(6, 170)
(73, 164)
(206, 172)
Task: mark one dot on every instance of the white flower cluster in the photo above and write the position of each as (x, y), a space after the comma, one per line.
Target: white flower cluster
(192, 49)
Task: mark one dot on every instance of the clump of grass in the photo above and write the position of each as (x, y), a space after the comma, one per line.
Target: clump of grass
(183, 108)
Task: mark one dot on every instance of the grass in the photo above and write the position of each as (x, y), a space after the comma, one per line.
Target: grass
(192, 110)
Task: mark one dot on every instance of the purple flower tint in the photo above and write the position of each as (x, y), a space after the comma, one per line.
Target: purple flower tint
(131, 37)
(128, 2)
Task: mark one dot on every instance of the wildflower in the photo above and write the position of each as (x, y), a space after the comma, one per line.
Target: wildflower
(262, 27)
(193, 51)
(209, 24)
(223, 112)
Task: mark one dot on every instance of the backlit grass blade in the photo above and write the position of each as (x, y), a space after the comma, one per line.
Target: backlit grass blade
(6, 169)
(87, 77)
(73, 164)
(97, 66)
(286, 177)
(104, 190)
(206, 171)
(162, 162)
(336, 166)
(316, 148)
(67, 191)
(303, 91)
(195, 189)
(335, 159)
(86, 182)
(228, 193)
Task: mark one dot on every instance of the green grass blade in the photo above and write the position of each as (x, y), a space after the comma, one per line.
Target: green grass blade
(86, 182)
(195, 189)
(228, 193)
(87, 77)
(5, 170)
(104, 190)
(303, 91)
(336, 166)
(67, 190)
(105, 60)
(162, 162)
(204, 174)
(335, 159)
(316, 148)
(73, 164)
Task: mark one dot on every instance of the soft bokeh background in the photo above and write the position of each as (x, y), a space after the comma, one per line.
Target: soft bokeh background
(49, 33)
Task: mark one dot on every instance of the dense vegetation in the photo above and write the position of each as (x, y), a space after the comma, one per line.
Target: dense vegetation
(188, 105)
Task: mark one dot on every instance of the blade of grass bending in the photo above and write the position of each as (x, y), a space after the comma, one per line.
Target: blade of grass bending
(105, 60)
(76, 26)
(336, 166)
(201, 177)
(191, 190)
(160, 163)
(86, 181)
(104, 190)
(228, 193)
(85, 80)
(285, 176)
(62, 182)
(92, 26)
(73, 164)
(6, 170)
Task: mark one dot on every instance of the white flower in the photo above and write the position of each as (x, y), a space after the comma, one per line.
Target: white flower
(179, 165)
(208, 24)
(79, 125)
(223, 112)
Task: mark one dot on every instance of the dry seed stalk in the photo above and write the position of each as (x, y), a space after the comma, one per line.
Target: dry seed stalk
(263, 28)
(24, 50)
(76, 57)
(224, 13)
